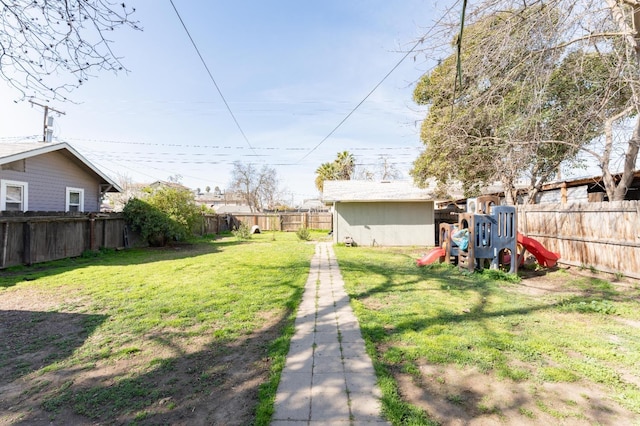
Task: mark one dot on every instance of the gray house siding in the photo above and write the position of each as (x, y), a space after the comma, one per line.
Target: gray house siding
(385, 223)
(574, 194)
(48, 176)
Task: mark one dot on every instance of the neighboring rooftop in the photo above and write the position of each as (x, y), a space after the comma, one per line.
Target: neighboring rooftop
(366, 190)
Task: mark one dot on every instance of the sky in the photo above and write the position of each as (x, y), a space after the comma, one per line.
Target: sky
(289, 70)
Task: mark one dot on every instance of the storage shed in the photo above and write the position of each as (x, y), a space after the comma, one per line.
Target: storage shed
(387, 213)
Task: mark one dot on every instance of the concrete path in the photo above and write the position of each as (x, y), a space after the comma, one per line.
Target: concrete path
(328, 377)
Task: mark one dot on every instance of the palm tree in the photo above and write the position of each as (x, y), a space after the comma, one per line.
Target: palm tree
(326, 171)
(345, 164)
(341, 168)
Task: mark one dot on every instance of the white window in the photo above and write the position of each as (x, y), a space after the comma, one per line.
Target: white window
(75, 200)
(14, 195)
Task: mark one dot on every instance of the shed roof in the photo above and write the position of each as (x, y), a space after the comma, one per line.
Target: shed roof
(10, 152)
(370, 191)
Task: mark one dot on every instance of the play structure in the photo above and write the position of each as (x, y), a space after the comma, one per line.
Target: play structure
(487, 234)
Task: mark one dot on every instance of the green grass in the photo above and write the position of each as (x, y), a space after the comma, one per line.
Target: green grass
(158, 310)
(436, 315)
(168, 315)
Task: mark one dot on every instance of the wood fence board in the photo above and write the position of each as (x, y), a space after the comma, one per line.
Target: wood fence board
(604, 235)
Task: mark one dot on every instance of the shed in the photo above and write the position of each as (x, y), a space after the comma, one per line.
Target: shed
(386, 213)
(38, 176)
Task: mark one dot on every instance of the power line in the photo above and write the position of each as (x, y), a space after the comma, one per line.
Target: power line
(230, 147)
(363, 100)
(421, 40)
(213, 80)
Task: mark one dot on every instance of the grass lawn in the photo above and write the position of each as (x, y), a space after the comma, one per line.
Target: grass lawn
(198, 334)
(181, 335)
(450, 348)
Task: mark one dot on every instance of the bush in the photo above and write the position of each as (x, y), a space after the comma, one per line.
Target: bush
(303, 234)
(179, 205)
(153, 225)
(243, 232)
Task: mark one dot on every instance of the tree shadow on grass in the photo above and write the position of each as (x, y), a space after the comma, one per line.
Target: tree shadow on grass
(442, 321)
(167, 376)
(216, 384)
(32, 339)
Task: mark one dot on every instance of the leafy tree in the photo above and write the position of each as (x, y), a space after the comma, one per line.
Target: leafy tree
(521, 108)
(342, 168)
(259, 188)
(48, 48)
(179, 205)
(154, 225)
(164, 214)
(539, 82)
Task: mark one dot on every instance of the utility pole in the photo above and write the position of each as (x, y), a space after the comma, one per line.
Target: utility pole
(46, 124)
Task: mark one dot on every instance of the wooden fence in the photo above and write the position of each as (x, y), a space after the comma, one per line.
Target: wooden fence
(605, 236)
(40, 237)
(34, 237)
(287, 221)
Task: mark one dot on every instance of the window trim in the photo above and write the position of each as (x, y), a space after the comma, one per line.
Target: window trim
(4, 183)
(68, 198)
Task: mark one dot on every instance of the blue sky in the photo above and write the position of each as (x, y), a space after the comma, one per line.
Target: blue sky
(290, 71)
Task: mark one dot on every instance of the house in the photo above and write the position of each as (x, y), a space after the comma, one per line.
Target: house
(38, 176)
(312, 205)
(387, 213)
(223, 203)
(586, 189)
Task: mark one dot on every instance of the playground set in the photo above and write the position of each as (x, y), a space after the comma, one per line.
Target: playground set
(487, 234)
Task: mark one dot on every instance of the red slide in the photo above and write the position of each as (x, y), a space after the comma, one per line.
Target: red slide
(433, 256)
(545, 258)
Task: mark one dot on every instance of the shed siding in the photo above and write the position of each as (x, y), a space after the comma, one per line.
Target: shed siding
(575, 194)
(385, 223)
(48, 176)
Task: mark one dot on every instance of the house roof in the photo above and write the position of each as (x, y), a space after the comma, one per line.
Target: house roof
(368, 191)
(312, 204)
(229, 209)
(19, 151)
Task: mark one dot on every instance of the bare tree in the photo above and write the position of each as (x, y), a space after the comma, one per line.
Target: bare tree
(384, 169)
(259, 188)
(387, 170)
(48, 48)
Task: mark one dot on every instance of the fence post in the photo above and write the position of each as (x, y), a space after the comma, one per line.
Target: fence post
(26, 240)
(5, 243)
(92, 231)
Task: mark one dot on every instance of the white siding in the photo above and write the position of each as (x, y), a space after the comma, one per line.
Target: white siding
(385, 223)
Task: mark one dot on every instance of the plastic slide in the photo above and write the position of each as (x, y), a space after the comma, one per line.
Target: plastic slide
(545, 258)
(433, 256)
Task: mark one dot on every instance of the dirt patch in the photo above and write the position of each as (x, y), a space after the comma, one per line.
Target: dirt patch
(169, 380)
(456, 396)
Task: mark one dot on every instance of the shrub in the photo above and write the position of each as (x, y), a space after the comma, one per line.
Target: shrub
(179, 205)
(153, 225)
(303, 234)
(243, 232)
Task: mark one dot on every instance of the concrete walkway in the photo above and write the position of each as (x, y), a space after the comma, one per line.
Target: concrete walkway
(328, 377)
